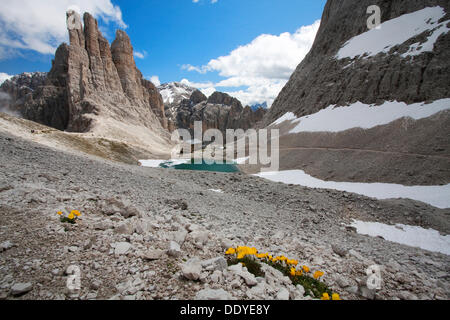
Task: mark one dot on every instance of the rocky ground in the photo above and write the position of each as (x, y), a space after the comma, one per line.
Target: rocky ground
(161, 234)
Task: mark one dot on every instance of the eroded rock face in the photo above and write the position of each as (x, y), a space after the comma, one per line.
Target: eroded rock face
(92, 87)
(322, 80)
(387, 152)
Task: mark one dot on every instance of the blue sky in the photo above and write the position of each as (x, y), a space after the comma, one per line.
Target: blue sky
(176, 39)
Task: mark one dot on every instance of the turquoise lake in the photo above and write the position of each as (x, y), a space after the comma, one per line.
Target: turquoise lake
(230, 168)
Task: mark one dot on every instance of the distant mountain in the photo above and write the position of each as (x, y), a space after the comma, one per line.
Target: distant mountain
(259, 106)
(175, 92)
(184, 105)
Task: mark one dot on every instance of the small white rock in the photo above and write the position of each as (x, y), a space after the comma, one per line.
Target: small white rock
(121, 248)
(174, 249)
(283, 294)
(192, 269)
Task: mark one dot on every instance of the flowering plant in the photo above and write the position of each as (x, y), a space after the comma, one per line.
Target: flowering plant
(299, 275)
(71, 218)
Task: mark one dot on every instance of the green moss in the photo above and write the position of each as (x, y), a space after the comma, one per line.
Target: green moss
(253, 266)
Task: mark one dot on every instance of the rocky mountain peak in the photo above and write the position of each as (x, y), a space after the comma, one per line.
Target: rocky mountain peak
(94, 87)
(224, 99)
(197, 96)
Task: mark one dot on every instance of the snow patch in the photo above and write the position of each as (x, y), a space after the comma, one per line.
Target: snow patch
(438, 196)
(360, 115)
(396, 32)
(427, 239)
(287, 117)
(167, 95)
(4, 77)
(175, 91)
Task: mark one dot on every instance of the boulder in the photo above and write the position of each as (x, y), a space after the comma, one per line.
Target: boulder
(19, 289)
(192, 269)
(122, 248)
(174, 249)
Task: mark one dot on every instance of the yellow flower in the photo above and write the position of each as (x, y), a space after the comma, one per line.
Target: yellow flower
(246, 251)
(299, 273)
(326, 296)
(306, 269)
(318, 274)
(230, 251)
(71, 216)
(335, 296)
(60, 213)
(292, 262)
(293, 272)
(76, 212)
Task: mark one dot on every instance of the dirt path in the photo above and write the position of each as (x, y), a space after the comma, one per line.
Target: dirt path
(370, 151)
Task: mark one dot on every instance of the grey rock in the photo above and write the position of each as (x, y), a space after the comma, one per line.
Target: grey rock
(192, 269)
(405, 295)
(283, 294)
(152, 254)
(6, 245)
(339, 250)
(174, 249)
(122, 248)
(180, 237)
(124, 228)
(19, 289)
(217, 276)
(199, 237)
(342, 282)
(366, 292)
(218, 263)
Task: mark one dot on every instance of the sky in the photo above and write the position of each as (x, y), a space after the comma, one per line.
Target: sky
(247, 48)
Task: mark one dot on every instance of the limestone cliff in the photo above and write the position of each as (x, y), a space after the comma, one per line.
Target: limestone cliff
(95, 88)
(404, 61)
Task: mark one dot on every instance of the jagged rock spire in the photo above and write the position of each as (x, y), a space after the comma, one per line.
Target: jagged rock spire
(75, 28)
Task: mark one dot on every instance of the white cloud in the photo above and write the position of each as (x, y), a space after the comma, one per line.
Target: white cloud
(41, 25)
(207, 88)
(155, 80)
(140, 55)
(197, 1)
(263, 66)
(4, 77)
